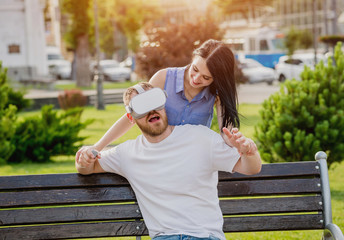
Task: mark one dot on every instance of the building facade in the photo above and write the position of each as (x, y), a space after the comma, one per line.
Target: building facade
(22, 38)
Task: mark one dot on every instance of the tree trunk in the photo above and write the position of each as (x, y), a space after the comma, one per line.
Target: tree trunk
(83, 74)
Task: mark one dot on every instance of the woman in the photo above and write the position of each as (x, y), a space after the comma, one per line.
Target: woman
(192, 92)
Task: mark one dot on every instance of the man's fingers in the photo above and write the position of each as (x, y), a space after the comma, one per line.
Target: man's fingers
(241, 139)
(227, 132)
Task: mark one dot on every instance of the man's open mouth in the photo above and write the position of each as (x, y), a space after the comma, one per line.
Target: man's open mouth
(154, 118)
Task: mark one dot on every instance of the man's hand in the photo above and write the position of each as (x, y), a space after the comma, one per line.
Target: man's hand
(249, 162)
(236, 139)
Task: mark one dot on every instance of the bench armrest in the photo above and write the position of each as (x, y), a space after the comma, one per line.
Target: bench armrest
(332, 232)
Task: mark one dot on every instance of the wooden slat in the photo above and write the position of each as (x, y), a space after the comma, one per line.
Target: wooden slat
(278, 170)
(104, 229)
(66, 196)
(107, 179)
(273, 223)
(266, 187)
(108, 229)
(271, 205)
(60, 180)
(111, 194)
(131, 211)
(69, 214)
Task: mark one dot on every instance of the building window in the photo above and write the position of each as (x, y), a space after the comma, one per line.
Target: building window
(13, 48)
(252, 44)
(263, 45)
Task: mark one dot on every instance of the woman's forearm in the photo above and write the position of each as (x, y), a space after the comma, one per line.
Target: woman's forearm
(118, 129)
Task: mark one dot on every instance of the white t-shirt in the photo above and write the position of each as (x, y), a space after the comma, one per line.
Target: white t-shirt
(175, 180)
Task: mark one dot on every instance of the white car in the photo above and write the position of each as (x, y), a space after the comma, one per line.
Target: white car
(256, 72)
(58, 66)
(112, 71)
(61, 69)
(291, 67)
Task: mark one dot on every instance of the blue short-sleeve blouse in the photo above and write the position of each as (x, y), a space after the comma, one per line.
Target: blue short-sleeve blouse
(178, 109)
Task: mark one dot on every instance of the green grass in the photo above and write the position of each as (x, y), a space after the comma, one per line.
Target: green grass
(105, 118)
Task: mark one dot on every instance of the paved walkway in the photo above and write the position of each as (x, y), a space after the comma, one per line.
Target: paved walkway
(247, 93)
(256, 93)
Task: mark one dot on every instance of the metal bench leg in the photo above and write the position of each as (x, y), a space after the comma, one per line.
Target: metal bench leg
(332, 232)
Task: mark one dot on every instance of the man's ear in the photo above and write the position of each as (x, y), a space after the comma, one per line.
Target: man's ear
(130, 118)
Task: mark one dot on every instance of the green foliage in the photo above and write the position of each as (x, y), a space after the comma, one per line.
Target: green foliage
(297, 39)
(130, 16)
(78, 25)
(332, 39)
(305, 116)
(173, 46)
(7, 118)
(38, 138)
(35, 138)
(17, 99)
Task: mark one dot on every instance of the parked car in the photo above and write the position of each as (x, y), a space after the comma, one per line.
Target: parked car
(59, 67)
(291, 67)
(112, 71)
(256, 72)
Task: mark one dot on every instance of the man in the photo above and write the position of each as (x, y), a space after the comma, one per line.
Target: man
(173, 170)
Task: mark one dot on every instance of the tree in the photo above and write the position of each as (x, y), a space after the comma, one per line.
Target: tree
(77, 37)
(244, 7)
(130, 16)
(297, 39)
(305, 116)
(332, 40)
(173, 45)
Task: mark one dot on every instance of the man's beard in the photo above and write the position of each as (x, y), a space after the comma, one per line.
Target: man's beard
(155, 129)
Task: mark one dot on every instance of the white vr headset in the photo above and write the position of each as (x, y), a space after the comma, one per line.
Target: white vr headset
(146, 101)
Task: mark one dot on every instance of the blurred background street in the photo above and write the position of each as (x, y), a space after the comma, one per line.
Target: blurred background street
(93, 42)
(247, 93)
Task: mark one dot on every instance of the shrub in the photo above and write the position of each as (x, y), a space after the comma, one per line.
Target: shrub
(17, 99)
(38, 138)
(71, 99)
(305, 116)
(172, 46)
(332, 39)
(7, 118)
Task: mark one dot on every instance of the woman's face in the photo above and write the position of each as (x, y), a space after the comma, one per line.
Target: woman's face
(199, 75)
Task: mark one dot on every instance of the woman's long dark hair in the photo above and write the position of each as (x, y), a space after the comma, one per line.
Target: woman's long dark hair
(220, 62)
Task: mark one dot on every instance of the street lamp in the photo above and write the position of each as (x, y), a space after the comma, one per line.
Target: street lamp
(98, 73)
(314, 31)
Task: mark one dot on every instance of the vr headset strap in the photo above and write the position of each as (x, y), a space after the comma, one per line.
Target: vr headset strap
(139, 89)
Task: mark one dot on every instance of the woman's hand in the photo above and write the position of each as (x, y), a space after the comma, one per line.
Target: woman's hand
(86, 156)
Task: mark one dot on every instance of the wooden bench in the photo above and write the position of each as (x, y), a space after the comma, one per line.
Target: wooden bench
(284, 196)
(107, 98)
(39, 82)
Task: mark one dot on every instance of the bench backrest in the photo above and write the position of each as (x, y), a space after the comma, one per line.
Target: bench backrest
(284, 196)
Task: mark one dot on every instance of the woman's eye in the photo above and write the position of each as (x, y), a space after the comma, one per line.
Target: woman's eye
(195, 69)
(206, 78)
